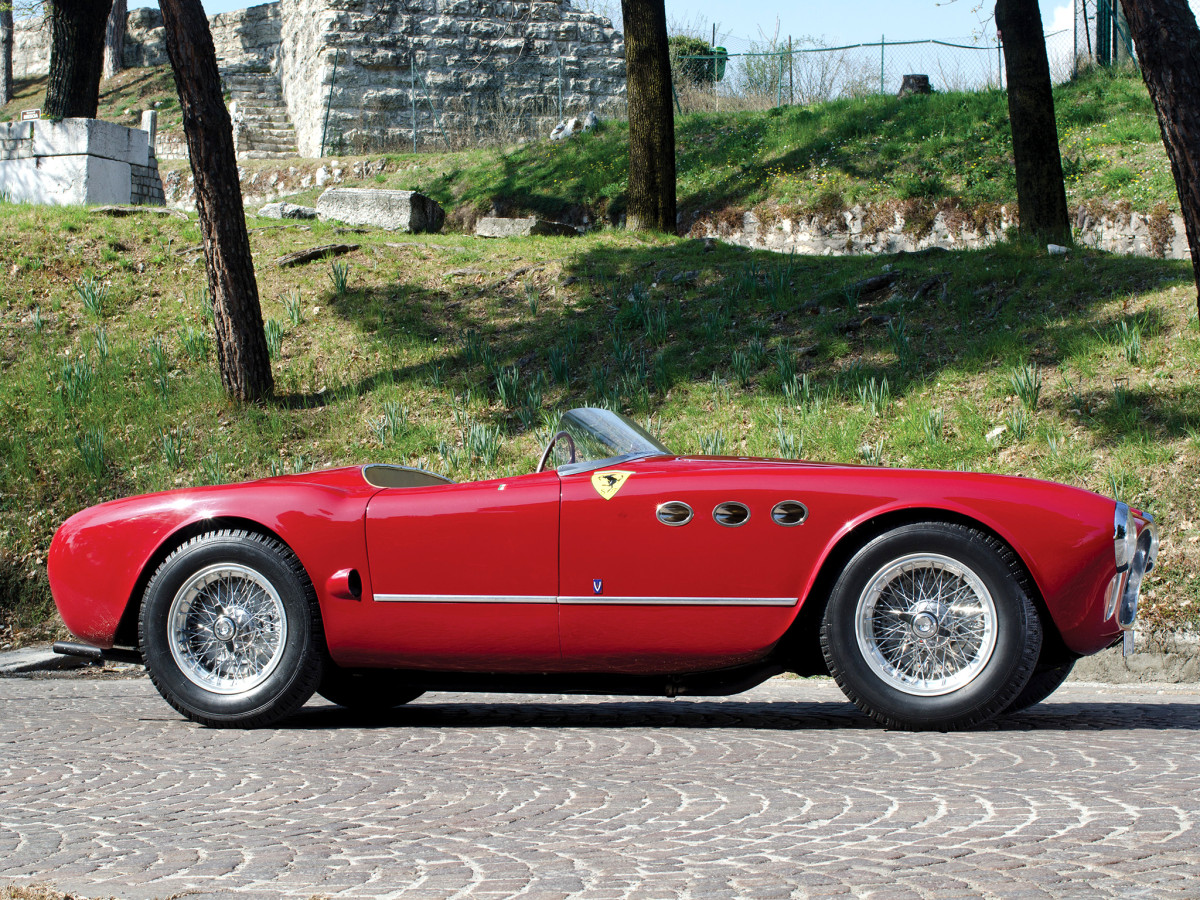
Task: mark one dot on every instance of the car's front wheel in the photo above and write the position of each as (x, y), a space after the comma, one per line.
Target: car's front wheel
(929, 627)
(230, 630)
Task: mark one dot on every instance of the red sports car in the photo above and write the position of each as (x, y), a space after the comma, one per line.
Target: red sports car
(935, 599)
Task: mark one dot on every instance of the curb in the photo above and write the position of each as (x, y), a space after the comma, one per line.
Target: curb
(29, 660)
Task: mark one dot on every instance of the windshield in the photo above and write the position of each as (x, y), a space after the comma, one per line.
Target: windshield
(600, 435)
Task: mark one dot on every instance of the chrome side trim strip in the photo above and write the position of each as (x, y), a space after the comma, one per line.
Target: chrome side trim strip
(462, 598)
(594, 600)
(601, 600)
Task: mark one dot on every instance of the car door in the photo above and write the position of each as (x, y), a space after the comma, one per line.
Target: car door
(641, 595)
(465, 576)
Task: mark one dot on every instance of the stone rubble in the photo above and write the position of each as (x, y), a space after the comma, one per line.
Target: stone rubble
(496, 227)
(407, 211)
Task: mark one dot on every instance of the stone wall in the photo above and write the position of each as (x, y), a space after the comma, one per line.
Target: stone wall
(76, 161)
(859, 230)
(245, 39)
(483, 64)
(483, 67)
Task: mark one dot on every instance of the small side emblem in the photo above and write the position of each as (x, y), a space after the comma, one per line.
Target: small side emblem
(597, 585)
(608, 482)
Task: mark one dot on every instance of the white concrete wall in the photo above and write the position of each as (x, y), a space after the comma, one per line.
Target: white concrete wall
(71, 161)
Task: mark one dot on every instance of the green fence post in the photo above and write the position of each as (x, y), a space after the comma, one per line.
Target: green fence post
(412, 60)
(329, 100)
(560, 116)
(882, 45)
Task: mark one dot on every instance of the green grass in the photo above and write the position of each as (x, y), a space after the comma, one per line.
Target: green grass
(824, 158)
(122, 98)
(464, 375)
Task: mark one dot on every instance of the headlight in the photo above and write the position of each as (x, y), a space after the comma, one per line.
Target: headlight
(1124, 536)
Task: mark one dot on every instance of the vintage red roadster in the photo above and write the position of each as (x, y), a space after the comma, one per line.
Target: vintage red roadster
(935, 599)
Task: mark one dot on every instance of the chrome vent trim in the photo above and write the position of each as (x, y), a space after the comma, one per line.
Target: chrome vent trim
(789, 512)
(731, 514)
(674, 512)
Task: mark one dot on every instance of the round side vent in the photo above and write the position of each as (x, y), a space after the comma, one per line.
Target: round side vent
(789, 512)
(731, 514)
(674, 512)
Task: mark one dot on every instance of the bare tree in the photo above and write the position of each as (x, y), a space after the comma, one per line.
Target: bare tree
(6, 52)
(242, 356)
(76, 54)
(114, 39)
(651, 118)
(1167, 40)
(1041, 193)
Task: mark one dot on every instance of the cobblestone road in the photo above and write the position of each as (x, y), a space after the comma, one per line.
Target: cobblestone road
(782, 792)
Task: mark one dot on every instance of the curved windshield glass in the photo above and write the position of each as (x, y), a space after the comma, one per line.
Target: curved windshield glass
(600, 435)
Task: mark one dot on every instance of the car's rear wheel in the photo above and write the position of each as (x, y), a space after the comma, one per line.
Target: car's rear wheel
(230, 630)
(1045, 681)
(366, 690)
(929, 627)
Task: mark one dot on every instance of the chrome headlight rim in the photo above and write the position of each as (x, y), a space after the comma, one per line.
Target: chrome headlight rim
(1124, 536)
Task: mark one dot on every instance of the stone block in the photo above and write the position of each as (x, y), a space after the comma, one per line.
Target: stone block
(95, 137)
(287, 211)
(495, 226)
(66, 180)
(394, 210)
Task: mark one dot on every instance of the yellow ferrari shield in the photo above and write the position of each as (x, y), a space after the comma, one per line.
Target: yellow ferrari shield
(607, 483)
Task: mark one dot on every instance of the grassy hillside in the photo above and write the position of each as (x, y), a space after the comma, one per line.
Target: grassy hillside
(826, 157)
(453, 353)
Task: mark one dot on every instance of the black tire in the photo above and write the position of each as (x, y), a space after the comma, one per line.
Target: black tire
(1045, 681)
(882, 633)
(224, 682)
(365, 690)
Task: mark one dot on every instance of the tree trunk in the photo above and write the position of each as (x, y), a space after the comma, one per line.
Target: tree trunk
(651, 118)
(6, 52)
(1167, 41)
(241, 345)
(114, 39)
(76, 55)
(1041, 195)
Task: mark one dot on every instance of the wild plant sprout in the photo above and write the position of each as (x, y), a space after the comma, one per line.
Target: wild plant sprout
(1026, 383)
(76, 378)
(273, 331)
(1129, 339)
(559, 369)
(874, 395)
(713, 443)
(172, 448)
(872, 454)
(339, 274)
(90, 444)
(740, 363)
(294, 307)
(507, 379)
(932, 424)
(94, 296)
(1018, 423)
(102, 344)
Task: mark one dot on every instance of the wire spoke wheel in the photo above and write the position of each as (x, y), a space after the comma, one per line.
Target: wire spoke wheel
(926, 624)
(227, 628)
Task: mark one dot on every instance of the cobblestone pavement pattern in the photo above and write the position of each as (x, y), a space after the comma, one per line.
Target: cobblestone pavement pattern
(781, 792)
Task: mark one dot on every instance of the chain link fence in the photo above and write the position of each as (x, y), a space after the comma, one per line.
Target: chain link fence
(803, 71)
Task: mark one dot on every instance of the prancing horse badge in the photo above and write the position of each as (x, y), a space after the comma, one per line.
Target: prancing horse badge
(607, 483)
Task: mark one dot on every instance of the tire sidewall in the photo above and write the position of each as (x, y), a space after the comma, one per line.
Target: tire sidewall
(183, 693)
(1001, 679)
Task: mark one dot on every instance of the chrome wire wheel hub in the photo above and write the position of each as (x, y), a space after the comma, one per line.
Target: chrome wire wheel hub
(926, 624)
(227, 628)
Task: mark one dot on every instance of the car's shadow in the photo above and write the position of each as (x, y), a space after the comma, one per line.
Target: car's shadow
(758, 716)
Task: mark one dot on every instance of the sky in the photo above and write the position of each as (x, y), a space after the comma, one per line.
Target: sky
(834, 22)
